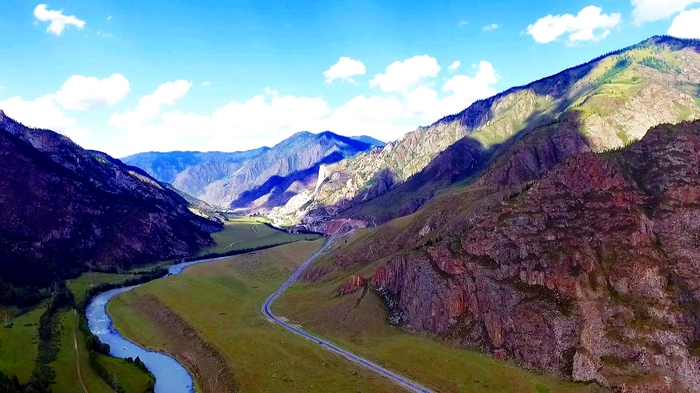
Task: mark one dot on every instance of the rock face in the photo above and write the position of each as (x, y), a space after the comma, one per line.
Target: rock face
(592, 272)
(257, 180)
(65, 208)
(353, 284)
(609, 102)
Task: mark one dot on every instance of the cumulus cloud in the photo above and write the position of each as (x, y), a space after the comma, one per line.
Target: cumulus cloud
(492, 26)
(344, 70)
(81, 93)
(454, 65)
(651, 10)
(58, 21)
(581, 27)
(268, 118)
(42, 112)
(149, 106)
(401, 76)
(686, 25)
(462, 91)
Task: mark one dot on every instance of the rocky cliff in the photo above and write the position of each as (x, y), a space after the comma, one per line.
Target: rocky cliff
(590, 272)
(609, 101)
(65, 208)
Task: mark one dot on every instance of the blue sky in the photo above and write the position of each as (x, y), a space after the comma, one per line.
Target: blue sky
(125, 77)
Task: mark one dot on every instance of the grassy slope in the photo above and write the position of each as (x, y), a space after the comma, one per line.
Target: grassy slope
(223, 303)
(249, 232)
(358, 322)
(18, 344)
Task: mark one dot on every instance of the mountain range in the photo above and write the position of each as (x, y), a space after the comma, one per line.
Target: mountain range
(516, 135)
(560, 230)
(255, 180)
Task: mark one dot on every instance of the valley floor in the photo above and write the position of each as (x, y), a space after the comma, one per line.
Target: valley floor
(221, 302)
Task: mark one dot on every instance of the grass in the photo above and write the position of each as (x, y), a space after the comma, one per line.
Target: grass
(250, 232)
(66, 371)
(223, 304)
(79, 285)
(19, 343)
(358, 322)
(129, 376)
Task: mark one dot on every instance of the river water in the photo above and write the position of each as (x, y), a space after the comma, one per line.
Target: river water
(171, 376)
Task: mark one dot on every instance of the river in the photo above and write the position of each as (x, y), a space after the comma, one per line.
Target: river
(171, 376)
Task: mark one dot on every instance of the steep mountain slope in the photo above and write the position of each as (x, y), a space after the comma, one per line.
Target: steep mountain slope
(609, 101)
(65, 208)
(166, 167)
(590, 272)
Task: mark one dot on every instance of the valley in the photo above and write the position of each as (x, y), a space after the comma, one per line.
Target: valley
(541, 239)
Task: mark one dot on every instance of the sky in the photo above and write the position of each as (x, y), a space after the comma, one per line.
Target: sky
(132, 76)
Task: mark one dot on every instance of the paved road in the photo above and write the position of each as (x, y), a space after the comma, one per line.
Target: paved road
(399, 380)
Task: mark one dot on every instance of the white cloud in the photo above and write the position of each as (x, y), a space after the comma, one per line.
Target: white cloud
(651, 10)
(206, 83)
(492, 26)
(58, 21)
(454, 65)
(686, 24)
(81, 93)
(268, 118)
(462, 89)
(581, 27)
(149, 106)
(42, 112)
(344, 70)
(403, 76)
(463, 22)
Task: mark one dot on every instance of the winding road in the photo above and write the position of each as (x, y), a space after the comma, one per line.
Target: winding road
(399, 380)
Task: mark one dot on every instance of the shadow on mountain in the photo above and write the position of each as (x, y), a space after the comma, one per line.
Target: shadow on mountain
(280, 189)
(526, 156)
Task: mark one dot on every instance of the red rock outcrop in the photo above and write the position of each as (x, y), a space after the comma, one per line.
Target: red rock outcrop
(593, 272)
(353, 284)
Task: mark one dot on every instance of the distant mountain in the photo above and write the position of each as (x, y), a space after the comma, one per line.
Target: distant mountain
(516, 135)
(256, 180)
(65, 209)
(167, 166)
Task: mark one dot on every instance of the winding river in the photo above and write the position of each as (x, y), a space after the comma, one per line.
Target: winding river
(171, 376)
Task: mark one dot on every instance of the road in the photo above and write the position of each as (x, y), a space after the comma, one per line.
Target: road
(399, 380)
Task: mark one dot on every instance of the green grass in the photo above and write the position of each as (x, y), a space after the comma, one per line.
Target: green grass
(358, 323)
(66, 371)
(19, 343)
(250, 232)
(129, 376)
(79, 285)
(223, 303)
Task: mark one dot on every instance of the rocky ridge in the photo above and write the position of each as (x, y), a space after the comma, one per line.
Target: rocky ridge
(610, 102)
